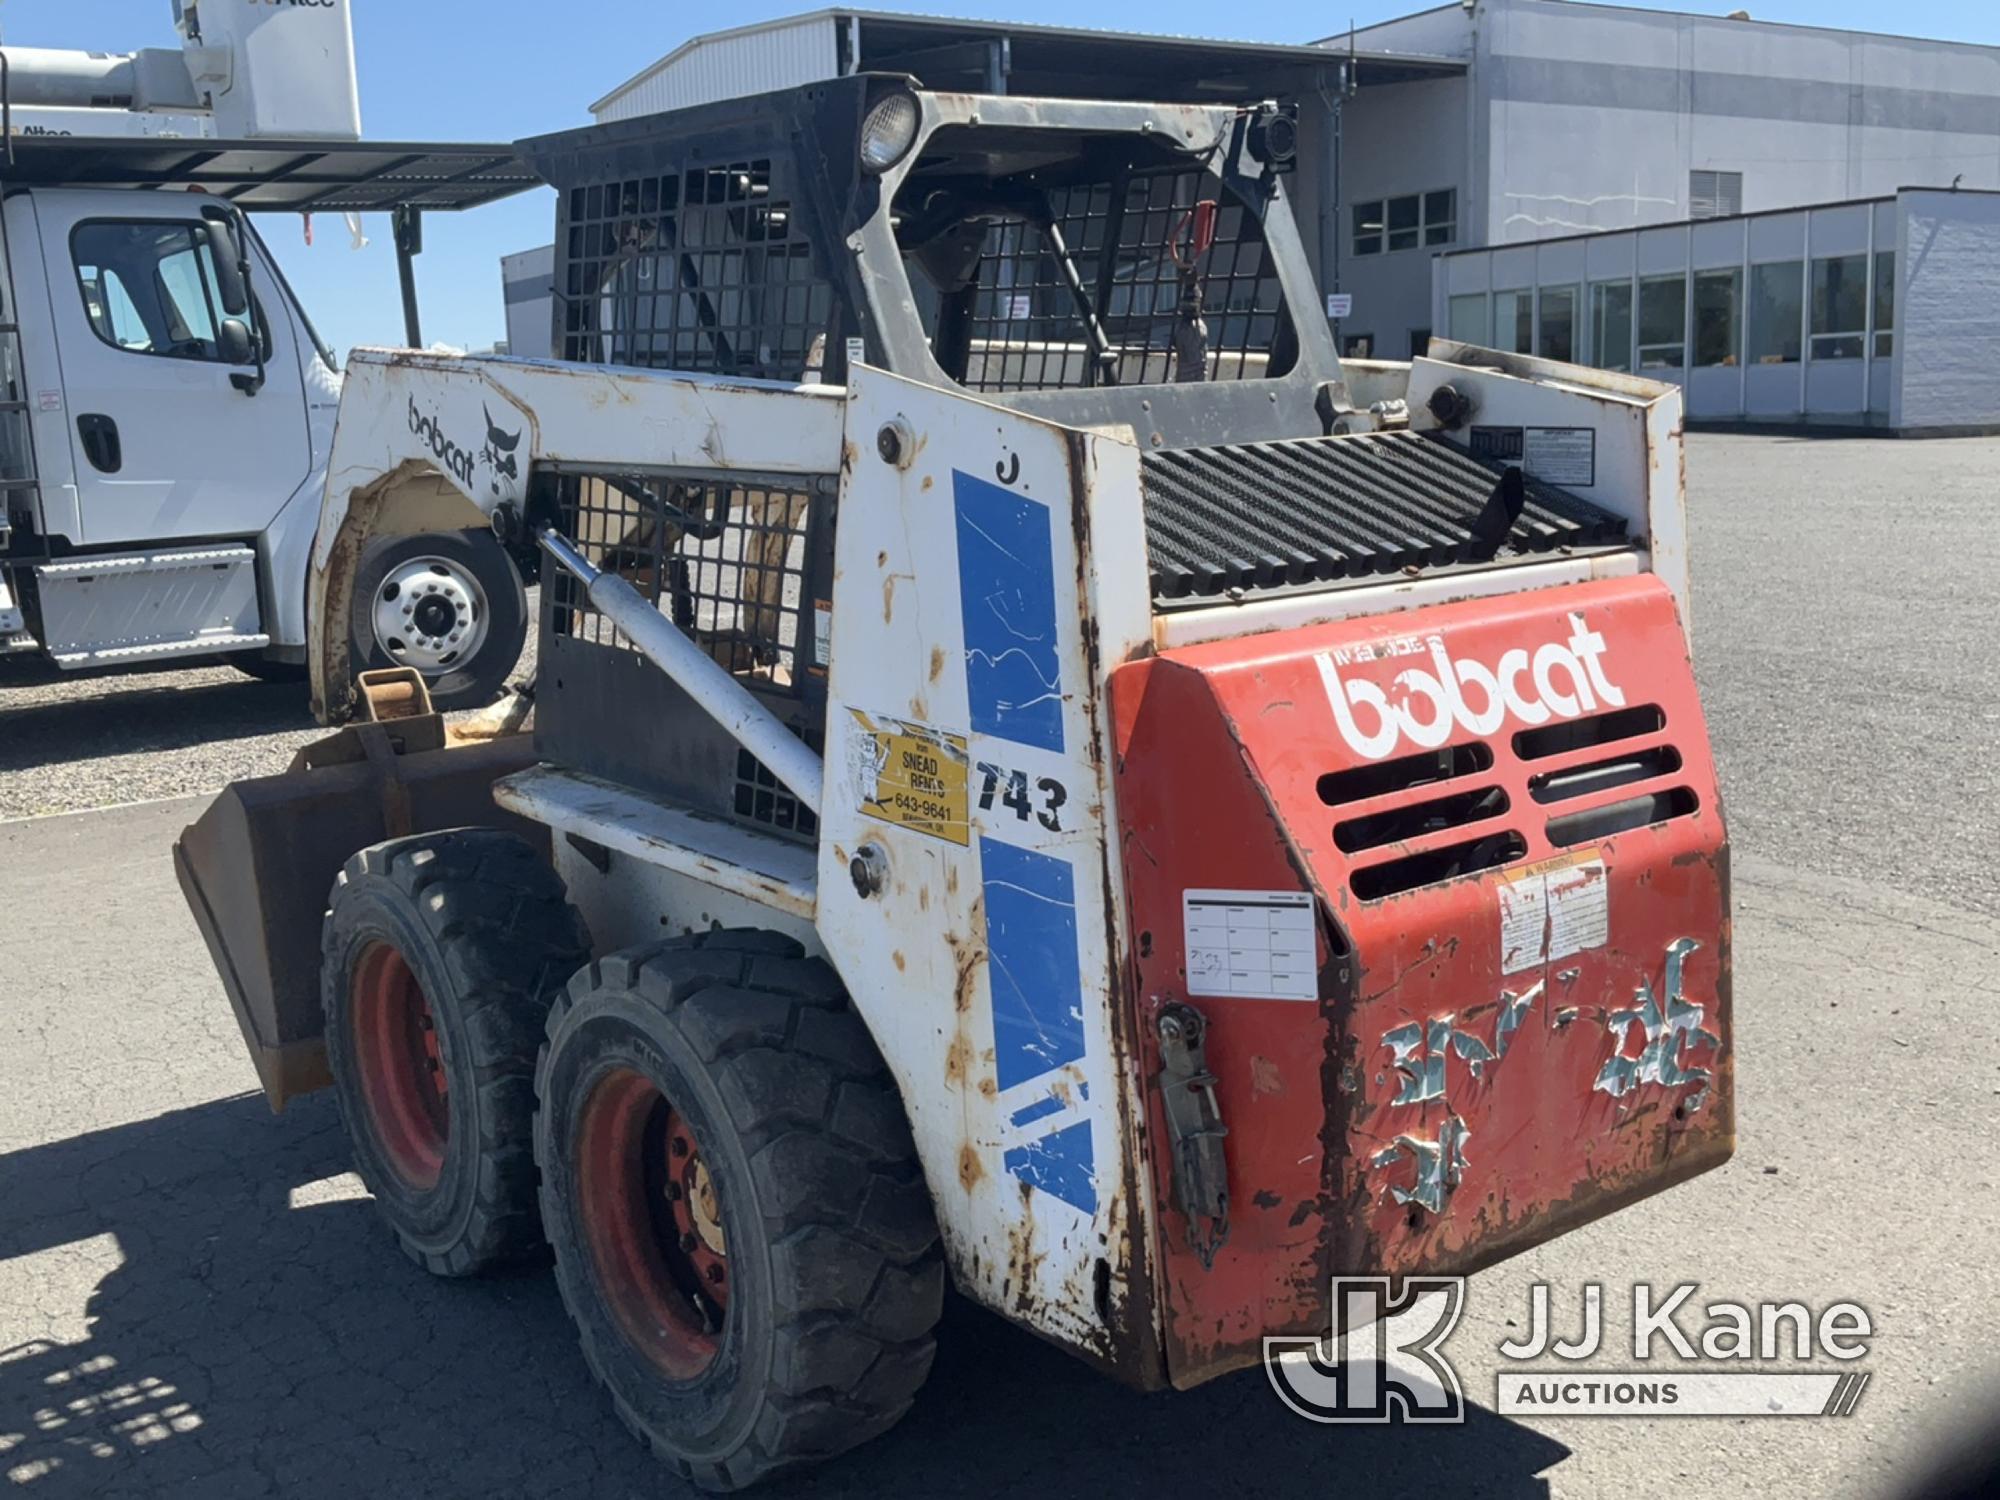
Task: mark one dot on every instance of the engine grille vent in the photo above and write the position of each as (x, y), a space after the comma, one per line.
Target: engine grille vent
(1312, 510)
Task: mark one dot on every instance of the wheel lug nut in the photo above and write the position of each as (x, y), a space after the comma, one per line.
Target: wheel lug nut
(715, 1274)
(688, 1242)
(673, 1192)
(679, 1146)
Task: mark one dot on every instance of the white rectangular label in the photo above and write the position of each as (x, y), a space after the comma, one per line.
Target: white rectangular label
(1579, 909)
(1561, 455)
(1549, 914)
(1020, 305)
(1340, 304)
(1251, 945)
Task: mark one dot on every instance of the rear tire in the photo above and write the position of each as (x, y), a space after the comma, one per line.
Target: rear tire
(741, 1230)
(440, 955)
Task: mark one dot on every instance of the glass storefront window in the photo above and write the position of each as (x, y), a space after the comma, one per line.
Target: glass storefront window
(1557, 334)
(1663, 322)
(1777, 311)
(1718, 316)
(1514, 321)
(1611, 325)
(1885, 303)
(1468, 318)
(1839, 306)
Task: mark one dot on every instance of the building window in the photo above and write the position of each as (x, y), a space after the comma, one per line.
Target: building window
(1663, 322)
(1468, 318)
(1557, 331)
(1420, 342)
(1839, 306)
(1405, 223)
(1359, 346)
(1514, 321)
(1718, 316)
(1714, 195)
(1368, 228)
(1441, 217)
(1777, 311)
(1885, 303)
(1611, 325)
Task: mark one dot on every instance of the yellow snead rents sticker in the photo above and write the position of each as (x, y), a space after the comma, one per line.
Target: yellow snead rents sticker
(910, 775)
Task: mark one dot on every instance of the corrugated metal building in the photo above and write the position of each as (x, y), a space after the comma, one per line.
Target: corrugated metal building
(1478, 123)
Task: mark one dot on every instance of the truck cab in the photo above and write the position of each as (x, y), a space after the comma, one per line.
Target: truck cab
(168, 407)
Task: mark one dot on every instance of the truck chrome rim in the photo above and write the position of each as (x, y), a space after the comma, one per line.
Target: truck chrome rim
(430, 614)
(653, 1222)
(402, 1070)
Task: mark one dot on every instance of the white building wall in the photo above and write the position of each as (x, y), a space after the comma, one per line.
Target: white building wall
(729, 65)
(1398, 139)
(1948, 268)
(1594, 116)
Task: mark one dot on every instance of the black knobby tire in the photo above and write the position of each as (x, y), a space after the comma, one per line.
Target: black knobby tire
(472, 682)
(480, 925)
(834, 1275)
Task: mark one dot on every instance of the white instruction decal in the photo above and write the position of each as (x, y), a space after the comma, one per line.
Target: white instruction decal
(1579, 909)
(1552, 912)
(1561, 455)
(1524, 908)
(1251, 945)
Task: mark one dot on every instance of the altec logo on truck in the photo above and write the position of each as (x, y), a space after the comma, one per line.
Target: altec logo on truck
(1498, 691)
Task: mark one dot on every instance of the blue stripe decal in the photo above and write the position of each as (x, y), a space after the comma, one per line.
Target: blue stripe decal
(1032, 961)
(1007, 596)
(1061, 1165)
(1041, 1109)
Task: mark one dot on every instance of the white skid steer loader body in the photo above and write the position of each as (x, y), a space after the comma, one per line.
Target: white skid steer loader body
(987, 579)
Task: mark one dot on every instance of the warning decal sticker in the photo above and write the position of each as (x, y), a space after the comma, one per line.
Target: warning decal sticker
(910, 775)
(1554, 910)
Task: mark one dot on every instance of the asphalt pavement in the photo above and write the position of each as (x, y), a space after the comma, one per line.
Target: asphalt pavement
(196, 1299)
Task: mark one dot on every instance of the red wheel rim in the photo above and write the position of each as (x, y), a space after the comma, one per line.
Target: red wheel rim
(653, 1222)
(402, 1071)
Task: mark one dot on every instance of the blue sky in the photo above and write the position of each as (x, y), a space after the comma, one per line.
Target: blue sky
(503, 69)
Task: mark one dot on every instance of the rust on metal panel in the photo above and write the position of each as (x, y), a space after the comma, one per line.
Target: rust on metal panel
(1491, 927)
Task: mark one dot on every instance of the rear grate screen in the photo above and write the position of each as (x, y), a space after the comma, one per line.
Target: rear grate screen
(1313, 510)
(706, 269)
(724, 562)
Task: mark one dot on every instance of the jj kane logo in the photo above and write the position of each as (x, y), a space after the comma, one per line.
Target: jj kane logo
(1384, 1359)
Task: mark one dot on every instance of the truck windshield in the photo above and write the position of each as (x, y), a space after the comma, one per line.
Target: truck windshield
(1034, 270)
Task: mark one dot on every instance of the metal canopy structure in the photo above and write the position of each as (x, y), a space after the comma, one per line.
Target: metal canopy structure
(401, 179)
(281, 176)
(1073, 62)
(1082, 63)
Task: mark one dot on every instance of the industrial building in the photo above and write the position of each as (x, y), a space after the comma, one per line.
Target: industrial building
(1483, 124)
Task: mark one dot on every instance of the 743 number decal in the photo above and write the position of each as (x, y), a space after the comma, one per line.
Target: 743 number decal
(1043, 800)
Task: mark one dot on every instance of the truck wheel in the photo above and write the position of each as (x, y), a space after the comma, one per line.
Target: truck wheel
(741, 1230)
(449, 604)
(440, 956)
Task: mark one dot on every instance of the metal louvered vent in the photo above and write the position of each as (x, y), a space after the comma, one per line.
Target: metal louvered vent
(1308, 511)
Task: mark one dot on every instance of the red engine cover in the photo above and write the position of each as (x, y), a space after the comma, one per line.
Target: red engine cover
(1503, 1009)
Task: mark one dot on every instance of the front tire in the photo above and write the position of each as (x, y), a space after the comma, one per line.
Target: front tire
(741, 1230)
(449, 604)
(439, 957)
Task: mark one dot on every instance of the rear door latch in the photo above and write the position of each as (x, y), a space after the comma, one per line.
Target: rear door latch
(1194, 1121)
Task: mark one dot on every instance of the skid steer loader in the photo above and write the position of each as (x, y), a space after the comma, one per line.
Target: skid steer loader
(1039, 775)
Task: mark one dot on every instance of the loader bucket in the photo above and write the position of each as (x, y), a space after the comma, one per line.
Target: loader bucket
(257, 865)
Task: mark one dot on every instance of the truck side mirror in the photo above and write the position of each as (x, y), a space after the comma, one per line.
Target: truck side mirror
(232, 342)
(227, 259)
